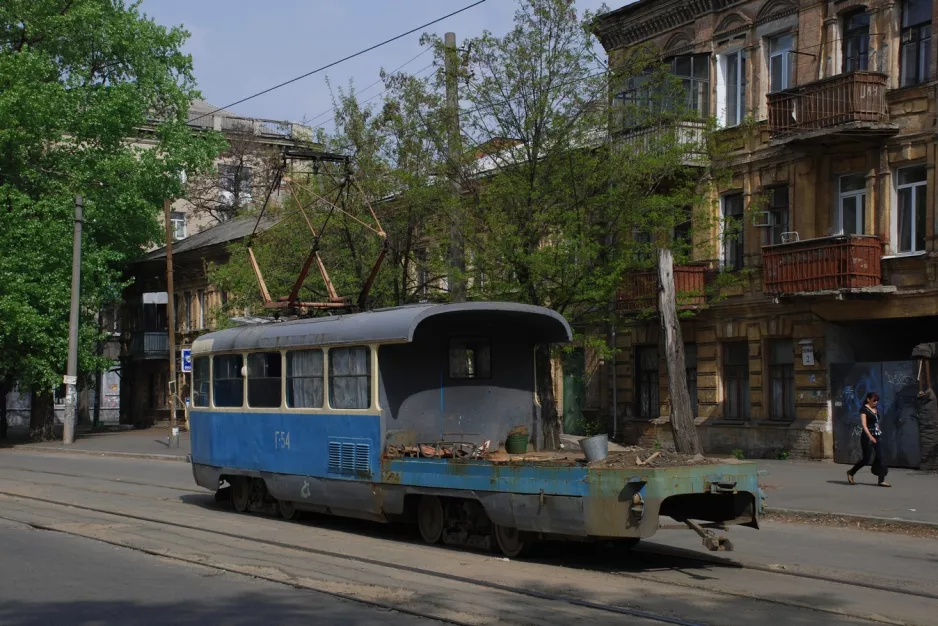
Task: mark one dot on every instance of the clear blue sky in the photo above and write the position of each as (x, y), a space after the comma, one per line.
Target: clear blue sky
(240, 47)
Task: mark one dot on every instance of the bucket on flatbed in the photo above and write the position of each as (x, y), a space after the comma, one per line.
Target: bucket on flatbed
(595, 448)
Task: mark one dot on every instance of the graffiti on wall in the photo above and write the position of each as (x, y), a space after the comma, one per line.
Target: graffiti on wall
(897, 385)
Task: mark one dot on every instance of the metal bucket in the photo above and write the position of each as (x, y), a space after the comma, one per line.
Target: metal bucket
(595, 448)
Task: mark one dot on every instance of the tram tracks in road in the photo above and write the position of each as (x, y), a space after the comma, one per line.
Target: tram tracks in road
(646, 549)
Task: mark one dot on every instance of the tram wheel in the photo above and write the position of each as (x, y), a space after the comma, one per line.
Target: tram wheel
(511, 541)
(287, 510)
(240, 493)
(430, 519)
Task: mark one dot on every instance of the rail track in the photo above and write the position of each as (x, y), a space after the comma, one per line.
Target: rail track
(646, 549)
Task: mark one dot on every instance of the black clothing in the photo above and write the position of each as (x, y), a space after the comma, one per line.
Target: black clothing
(872, 452)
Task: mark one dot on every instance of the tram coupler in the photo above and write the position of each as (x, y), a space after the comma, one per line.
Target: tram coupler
(711, 541)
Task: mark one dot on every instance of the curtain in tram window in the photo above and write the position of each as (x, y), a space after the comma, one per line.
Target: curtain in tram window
(350, 378)
(304, 379)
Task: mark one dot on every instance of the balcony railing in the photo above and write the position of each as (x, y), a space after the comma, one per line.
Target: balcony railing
(639, 290)
(149, 345)
(829, 103)
(687, 135)
(825, 264)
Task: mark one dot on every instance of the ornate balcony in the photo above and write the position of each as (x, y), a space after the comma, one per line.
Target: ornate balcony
(848, 103)
(841, 263)
(149, 345)
(639, 290)
(688, 135)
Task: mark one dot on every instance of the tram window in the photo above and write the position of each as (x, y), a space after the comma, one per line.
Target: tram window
(228, 387)
(470, 358)
(350, 378)
(304, 379)
(264, 372)
(200, 381)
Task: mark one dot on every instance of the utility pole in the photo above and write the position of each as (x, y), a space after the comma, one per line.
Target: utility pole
(171, 321)
(71, 367)
(457, 253)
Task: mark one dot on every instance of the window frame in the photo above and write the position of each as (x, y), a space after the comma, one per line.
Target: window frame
(843, 195)
(201, 300)
(915, 38)
(483, 342)
(696, 89)
(739, 58)
(737, 248)
(647, 381)
(330, 389)
(787, 61)
(249, 378)
(785, 374)
(187, 304)
(240, 377)
(739, 372)
(860, 62)
(288, 378)
(775, 209)
(917, 188)
(177, 221)
(207, 359)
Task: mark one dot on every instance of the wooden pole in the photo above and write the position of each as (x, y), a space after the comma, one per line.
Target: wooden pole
(170, 317)
(682, 418)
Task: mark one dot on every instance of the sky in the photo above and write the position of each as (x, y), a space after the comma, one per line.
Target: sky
(240, 47)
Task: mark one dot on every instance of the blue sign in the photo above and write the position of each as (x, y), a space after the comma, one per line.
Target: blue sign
(186, 360)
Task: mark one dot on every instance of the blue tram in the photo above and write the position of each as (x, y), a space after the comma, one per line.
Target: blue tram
(311, 415)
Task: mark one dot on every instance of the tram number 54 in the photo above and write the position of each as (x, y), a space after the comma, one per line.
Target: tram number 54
(282, 440)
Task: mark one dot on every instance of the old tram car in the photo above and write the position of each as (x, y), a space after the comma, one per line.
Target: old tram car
(305, 415)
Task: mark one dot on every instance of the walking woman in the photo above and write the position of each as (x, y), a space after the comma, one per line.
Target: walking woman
(871, 441)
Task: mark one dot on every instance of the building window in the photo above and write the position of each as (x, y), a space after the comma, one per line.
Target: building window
(694, 72)
(782, 379)
(305, 379)
(470, 358)
(781, 63)
(201, 308)
(916, 42)
(736, 380)
(236, 184)
(856, 44)
(350, 378)
(911, 186)
(178, 221)
(733, 232)
(683, 235)
(635, 101)
(646, 382)
(187, 298)
(778, 214)
(690, 371)
(732, 88)
(264, 372)
(851, 204)
(200, 381)
(227, 384)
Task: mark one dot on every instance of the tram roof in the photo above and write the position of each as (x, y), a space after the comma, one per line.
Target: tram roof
(394, 325)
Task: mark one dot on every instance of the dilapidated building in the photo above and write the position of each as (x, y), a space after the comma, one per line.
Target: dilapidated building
(829, 107)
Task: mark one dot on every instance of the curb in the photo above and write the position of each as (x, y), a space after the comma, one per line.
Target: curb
(852, 517)
(121, 455)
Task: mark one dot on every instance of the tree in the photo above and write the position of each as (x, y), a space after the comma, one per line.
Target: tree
(79, 81)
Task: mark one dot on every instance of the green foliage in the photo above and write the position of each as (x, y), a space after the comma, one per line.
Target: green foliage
(78, 80)
(738, 454)
(782, 455)
(657, 445)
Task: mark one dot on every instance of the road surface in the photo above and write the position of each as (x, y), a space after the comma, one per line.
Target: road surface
(152, 518)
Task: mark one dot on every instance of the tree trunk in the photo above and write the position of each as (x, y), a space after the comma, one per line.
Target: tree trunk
(682, 418)
(4, 390)
(544, 381)
(42, 416)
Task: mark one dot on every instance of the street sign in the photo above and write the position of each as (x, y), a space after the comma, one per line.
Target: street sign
(186, 360)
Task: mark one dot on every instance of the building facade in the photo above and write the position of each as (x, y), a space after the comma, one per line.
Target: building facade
(829, 107)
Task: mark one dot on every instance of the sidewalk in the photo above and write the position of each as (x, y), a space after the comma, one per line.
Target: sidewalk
(149, 443)
(811, 486)
(821, 486)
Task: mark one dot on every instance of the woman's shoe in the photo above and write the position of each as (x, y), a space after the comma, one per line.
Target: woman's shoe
(884, 484)
(850, 478)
